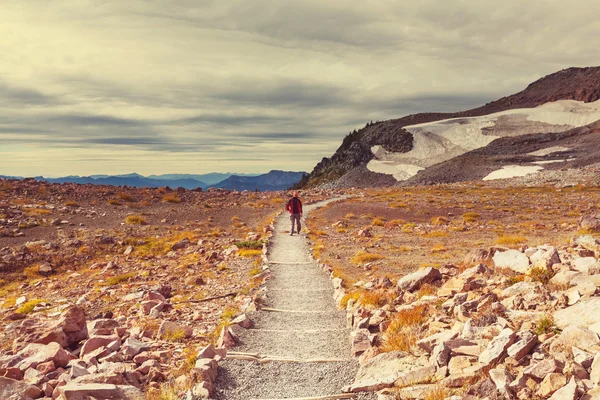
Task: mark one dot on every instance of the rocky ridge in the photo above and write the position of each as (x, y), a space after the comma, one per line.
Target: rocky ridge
(581, 84)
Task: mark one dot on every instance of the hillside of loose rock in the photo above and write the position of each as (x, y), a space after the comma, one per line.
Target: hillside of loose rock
(468, 293)
(347, 167)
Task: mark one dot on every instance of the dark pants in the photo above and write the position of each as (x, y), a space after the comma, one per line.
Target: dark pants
(296, 218)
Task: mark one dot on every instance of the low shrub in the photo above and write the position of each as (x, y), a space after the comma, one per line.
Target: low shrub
(171, 198)
(135, 220)
(363, 257)
(28, 306)
(249, 252)
(511, 239)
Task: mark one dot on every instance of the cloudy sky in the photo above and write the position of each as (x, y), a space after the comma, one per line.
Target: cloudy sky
(194, 86)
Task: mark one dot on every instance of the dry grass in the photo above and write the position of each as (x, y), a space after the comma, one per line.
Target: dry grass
(37, 211)
(125, 197)
(471, 216)
(32, 272)
(135, 220)
(171, 198)
(439, 221)
(435, 234)
(363, 257)
(544, 325)
(511, 240)
(375, 298)
(114, 202)
(115, 280)
(438, 248)
(379, 221)
(28, 306)
(249, 252)
(404, 330)
(73, 204)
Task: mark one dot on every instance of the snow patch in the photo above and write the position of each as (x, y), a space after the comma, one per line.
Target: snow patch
(547, 151)
(400, 172)
(438, 141)
(512, 171)
(548, 162)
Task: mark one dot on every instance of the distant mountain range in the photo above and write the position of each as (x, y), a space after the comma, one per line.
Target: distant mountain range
(273, 180)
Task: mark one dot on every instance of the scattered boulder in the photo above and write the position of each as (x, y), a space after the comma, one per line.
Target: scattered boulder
(70, 329)
(513, 259)
(584, 314)
(590, 223)
(412, 282)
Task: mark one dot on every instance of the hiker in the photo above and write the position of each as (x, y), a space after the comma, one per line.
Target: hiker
(294, 206)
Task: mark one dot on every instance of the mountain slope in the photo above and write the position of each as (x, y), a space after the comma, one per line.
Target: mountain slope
(273, 180)
(347, 167)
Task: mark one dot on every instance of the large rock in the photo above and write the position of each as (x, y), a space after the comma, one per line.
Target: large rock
(169, 329)
(525, 342)
(541, 369)
(584, 313)
(384, 370)
(519, 288)
(551, 383)
(34, 354)
(590, 223)
(590, 243)
(70, 329)
(512, 259)
(586, 265)
(96, 342)
(497, 348)
(13, 389)
(99, 391)
(568, 392)
(414, 281)
(576, 336)
(545, 257)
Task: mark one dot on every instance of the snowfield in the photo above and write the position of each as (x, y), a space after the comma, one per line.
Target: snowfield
(512, 171)
(439, 141)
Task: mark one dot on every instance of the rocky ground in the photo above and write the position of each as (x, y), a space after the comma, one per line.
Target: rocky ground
(448, 292)
(116, 292)
(510, 318)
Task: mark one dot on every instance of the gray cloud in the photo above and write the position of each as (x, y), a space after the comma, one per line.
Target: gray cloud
(202, 85)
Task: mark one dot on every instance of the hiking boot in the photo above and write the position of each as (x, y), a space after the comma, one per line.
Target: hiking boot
(292, 233)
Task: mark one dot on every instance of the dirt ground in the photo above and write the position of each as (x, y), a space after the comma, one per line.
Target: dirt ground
(432, 226)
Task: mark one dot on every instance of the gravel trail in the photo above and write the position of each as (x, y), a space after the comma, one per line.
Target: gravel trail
(308, 327)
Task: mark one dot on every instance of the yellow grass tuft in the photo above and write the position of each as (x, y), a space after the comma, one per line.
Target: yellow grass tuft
(249, 252)
(363, 257)
(115, 280)
(125, 197)
(135, 220)
(114, 202)
(28, 306)
(438, 248)
(404, 329)
(171, 198)
(435, 234)
(511, 239)
(379, 221)
(470, 217)
(73, 204)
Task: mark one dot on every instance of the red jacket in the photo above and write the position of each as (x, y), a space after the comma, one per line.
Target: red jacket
(294, 206)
